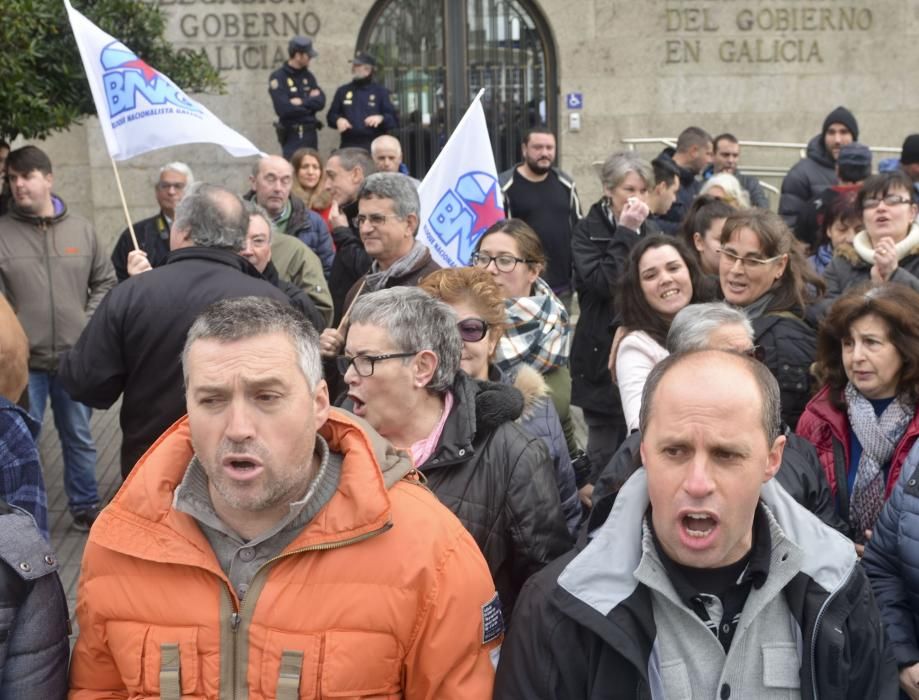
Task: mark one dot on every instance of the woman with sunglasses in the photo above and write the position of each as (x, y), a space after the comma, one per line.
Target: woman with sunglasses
(479, 305)
(863, 421)
(763, 271)
(537, 332)
(401, 363)
(660, 279)
(888, 249)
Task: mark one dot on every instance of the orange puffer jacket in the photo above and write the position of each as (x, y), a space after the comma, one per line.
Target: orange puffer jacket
(383, 595)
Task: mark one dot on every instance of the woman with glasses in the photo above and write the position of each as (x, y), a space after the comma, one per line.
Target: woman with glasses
(600, 246)
(863, 420)
(763, 271)
(537, 332)
(888, 249)
(401, 363)
(309, 181)
(479, 305)
(660, 279)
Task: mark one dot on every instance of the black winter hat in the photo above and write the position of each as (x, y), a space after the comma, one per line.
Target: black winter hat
(910, 152)
(843, 116)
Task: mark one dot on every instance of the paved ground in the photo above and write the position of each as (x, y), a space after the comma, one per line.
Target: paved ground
(68, 543)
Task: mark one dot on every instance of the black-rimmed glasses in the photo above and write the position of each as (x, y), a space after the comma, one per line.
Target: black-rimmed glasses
(504, 263)
(363, 364)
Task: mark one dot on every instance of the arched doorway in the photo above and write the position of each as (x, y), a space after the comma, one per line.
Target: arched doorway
(435, 57)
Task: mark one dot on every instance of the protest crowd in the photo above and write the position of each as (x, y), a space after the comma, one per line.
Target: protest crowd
(351, 470)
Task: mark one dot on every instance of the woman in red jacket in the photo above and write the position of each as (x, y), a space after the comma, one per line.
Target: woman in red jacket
(863, 421)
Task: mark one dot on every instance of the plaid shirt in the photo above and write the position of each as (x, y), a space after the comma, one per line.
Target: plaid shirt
(21, 481)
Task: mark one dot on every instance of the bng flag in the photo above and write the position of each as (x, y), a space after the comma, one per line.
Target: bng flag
(139, 108)
(460, 197)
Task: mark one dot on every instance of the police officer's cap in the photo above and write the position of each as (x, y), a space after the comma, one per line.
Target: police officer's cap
(362, 58)
(301, 44)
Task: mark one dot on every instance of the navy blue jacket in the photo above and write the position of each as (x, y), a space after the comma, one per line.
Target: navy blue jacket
(286, 83)
(689, 188)
(357, 101)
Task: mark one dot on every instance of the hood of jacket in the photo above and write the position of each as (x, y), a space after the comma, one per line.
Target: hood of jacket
(816, 151)
(478, 408)
(141, 522)
(60, 213)
(603, 581)
(687, 177)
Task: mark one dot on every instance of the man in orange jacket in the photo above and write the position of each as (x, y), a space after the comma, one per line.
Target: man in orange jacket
(268, 546)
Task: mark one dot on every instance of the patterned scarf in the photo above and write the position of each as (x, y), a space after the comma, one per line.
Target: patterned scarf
(878, 436)
(537, 332)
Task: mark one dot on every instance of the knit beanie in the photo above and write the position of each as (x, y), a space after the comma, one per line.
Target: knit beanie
(843, 116)
(910, 152)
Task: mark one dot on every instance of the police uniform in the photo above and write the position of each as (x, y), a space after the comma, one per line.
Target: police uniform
(357, 100)
(297, 123)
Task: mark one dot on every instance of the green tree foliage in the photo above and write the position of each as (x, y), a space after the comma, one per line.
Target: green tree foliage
(42, 84)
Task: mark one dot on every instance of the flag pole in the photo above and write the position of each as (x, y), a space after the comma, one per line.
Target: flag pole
(124, 204)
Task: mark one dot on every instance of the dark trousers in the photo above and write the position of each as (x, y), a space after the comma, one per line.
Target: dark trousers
(299, 136)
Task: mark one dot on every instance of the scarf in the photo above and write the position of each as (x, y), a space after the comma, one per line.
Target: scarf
(537, 332)
(865, 249)
(377, 279)
(878, 436)
(821, 258)
(759, 307)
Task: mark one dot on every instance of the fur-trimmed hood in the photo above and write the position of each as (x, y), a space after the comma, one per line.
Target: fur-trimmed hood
(531, 384)
(860, 253)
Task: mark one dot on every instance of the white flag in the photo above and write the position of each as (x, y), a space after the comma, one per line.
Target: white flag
(139, 108)
(460, 197)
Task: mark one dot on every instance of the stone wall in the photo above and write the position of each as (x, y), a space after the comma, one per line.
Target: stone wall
(767, 70)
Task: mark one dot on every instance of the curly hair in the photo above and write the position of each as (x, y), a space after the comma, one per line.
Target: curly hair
(472, 286)
(896, 305)
(635, 312)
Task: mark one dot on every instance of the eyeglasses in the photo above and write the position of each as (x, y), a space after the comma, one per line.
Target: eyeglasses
(747, 262)
(504, 263)
(374, 219)
(472, 330)
(890, 200)
(757, 352)
(363, 364)
(177, 186)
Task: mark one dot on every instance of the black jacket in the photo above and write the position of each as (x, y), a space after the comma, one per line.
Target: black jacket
(152, 237)
(287, 83)
(790, 347)
(298, 298)
(689, 188)
(34, 643)
(801, 475)
(133, 343)
(351, 261)
(499, 481)
(357, 100)
(599, 250)
(806, 179)
(584, 626)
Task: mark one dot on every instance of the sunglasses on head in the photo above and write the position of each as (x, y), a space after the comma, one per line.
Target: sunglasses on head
(472, 330)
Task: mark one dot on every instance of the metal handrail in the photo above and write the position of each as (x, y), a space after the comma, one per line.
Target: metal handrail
(669, 141)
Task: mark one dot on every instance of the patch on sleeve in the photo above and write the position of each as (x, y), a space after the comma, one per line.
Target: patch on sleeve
(492, 620)
(273, 84)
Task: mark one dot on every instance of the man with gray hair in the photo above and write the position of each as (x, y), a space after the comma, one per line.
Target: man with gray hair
(718, 326)
(132, 341)
(388, 217)
(707, 579)
(287, 539)
(153, 233)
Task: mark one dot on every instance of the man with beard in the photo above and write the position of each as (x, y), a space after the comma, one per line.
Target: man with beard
(545, 197)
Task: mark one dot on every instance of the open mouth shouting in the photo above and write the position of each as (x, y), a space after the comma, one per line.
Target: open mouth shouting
(698, 528)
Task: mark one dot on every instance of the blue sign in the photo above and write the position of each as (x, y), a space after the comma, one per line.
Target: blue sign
(575, 100)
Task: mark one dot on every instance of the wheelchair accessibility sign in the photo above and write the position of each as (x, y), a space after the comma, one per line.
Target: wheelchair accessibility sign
(575, 100)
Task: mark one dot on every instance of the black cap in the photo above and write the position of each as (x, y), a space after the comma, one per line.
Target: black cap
(910, 152)
(843, 116)
(301, 44)
(362, 58)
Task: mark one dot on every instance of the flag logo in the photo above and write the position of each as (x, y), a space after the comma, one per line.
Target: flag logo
(126, 76)
(466, 211)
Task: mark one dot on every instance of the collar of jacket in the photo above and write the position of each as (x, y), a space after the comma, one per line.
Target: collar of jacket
(861, 246)
(602, 575)
(140, 521)
(506, 179)
(60, 213)
(478, 408)
(816, 151)
(216, 255)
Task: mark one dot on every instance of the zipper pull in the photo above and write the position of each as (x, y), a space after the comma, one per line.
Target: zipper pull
(234, 621)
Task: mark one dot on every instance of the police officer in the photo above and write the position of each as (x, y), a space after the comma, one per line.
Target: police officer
(297, 97)
(361, 110)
